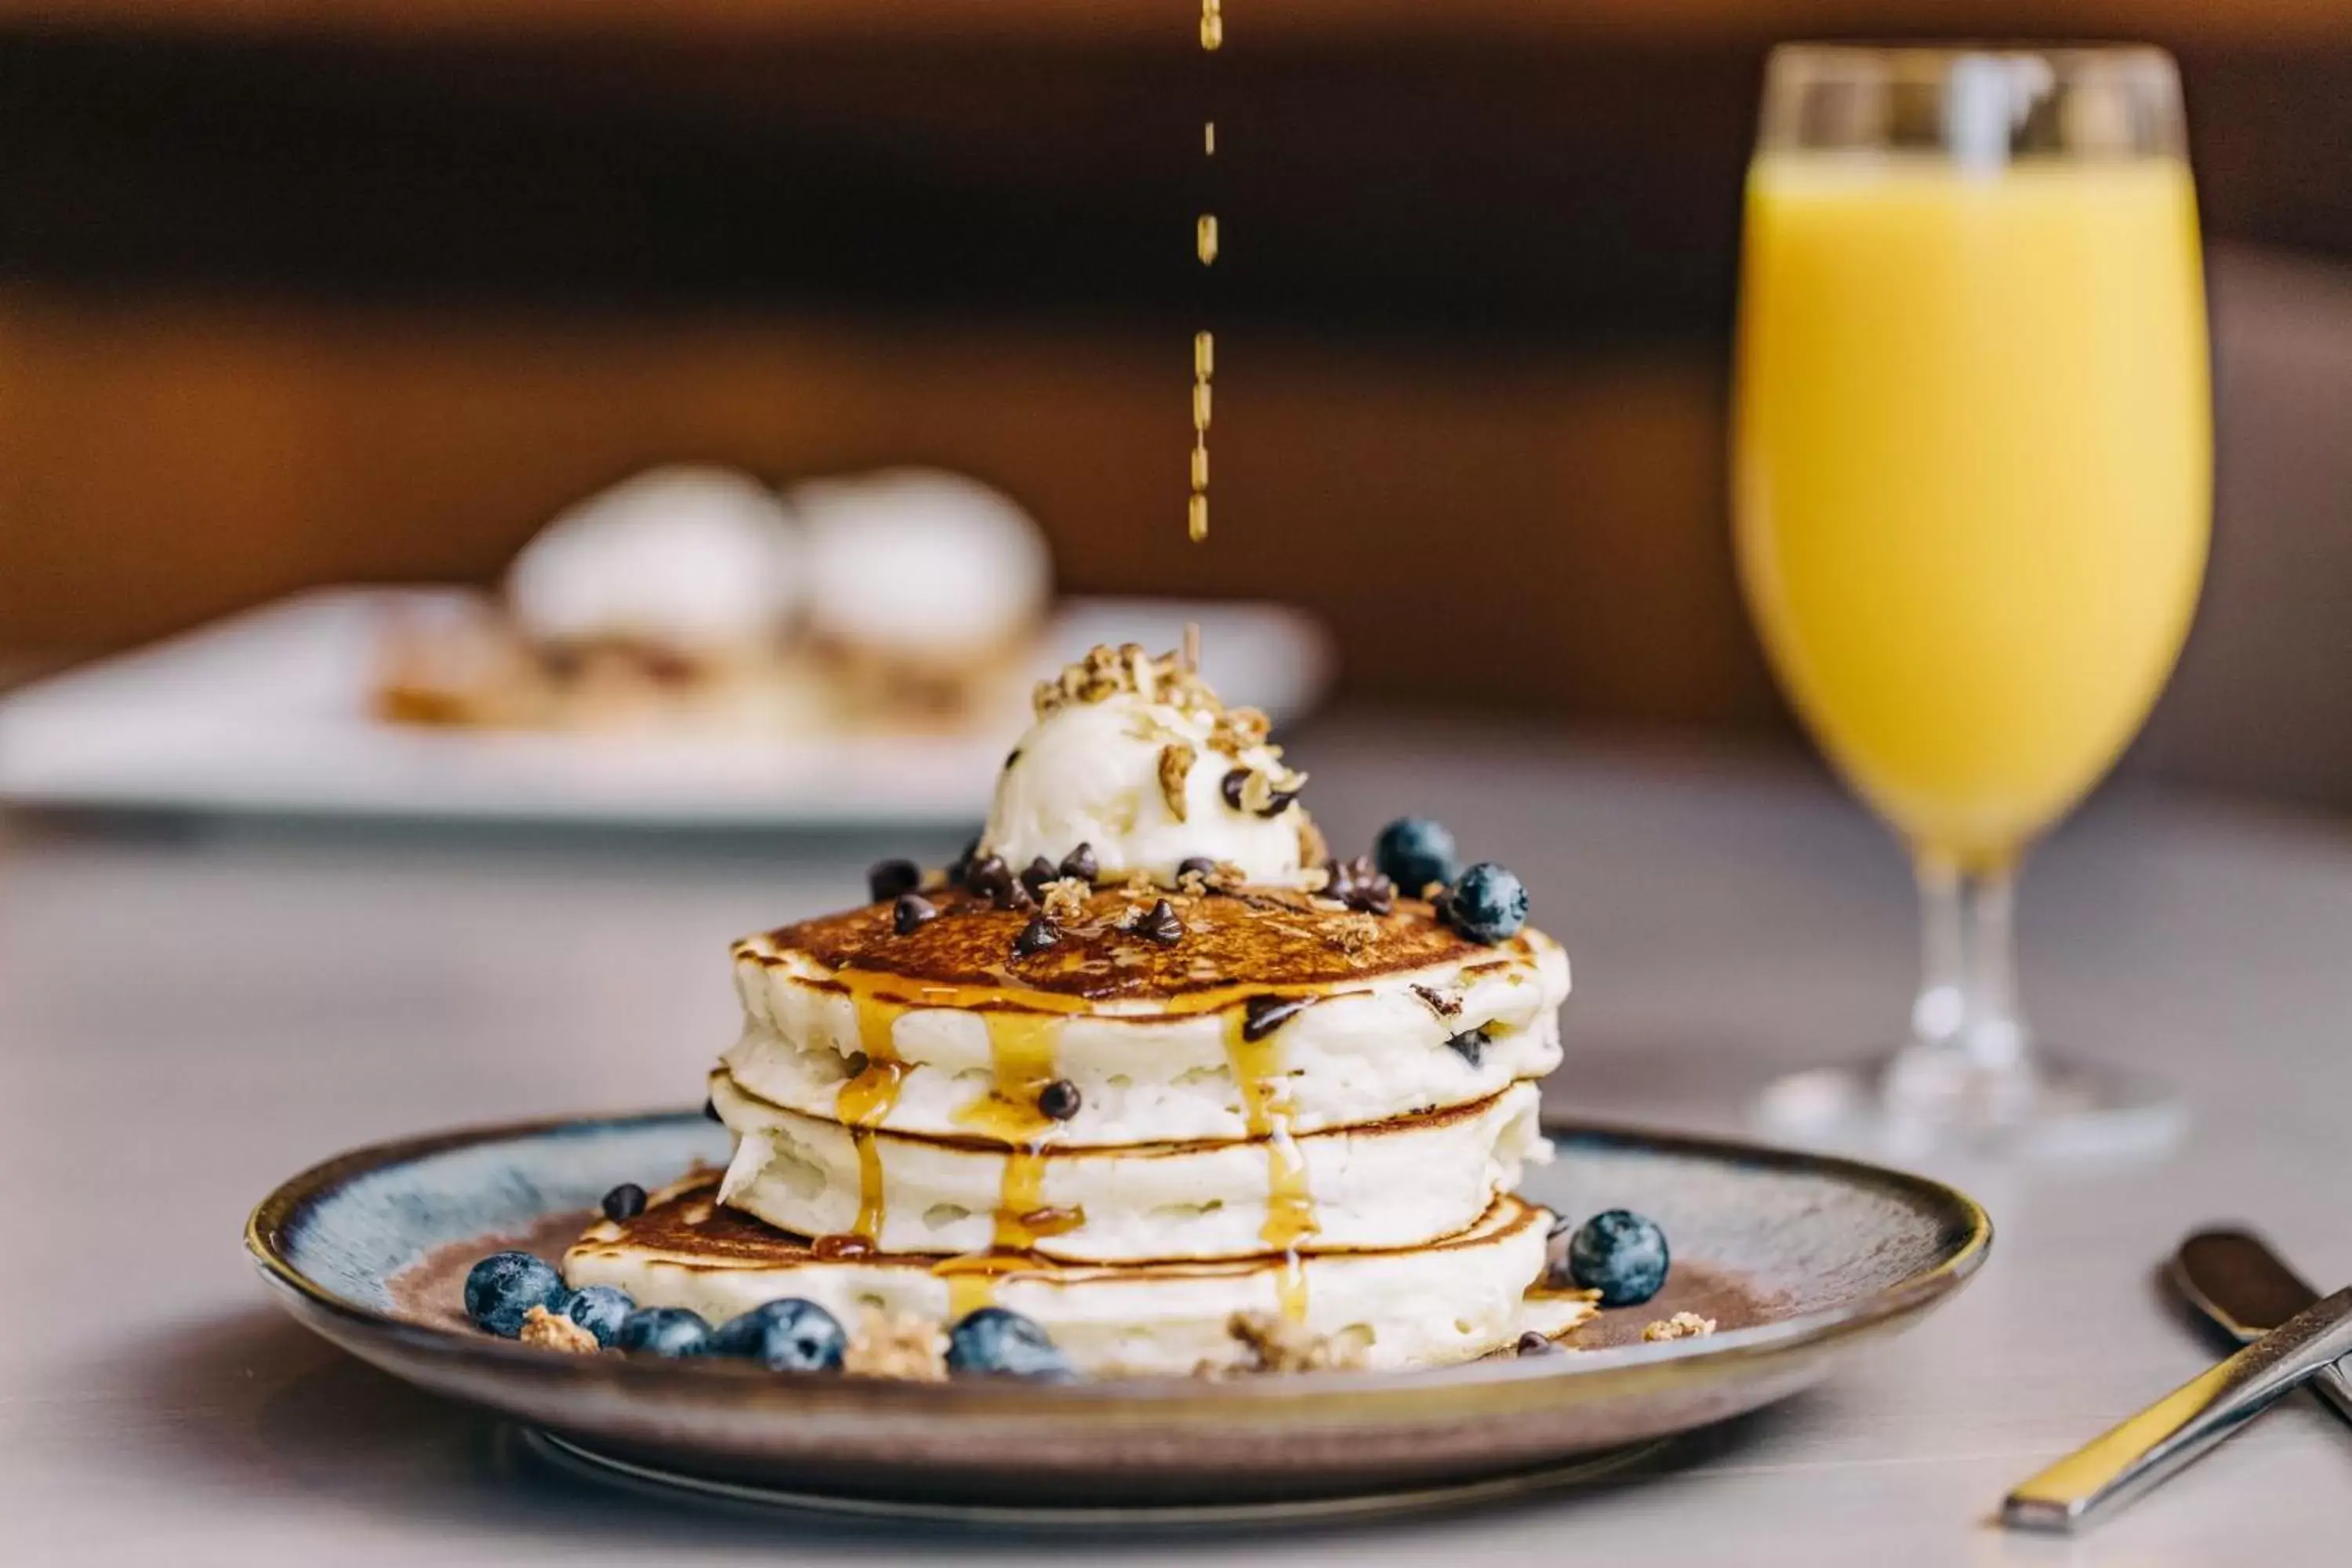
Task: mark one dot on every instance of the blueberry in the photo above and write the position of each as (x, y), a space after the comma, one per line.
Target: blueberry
(784, 1336)
(993, 1341)
(664, 1330)
(1620, 1255)
(626, 1201)
(600, 1310)
(1412, 852)
(504, 1286)
(1487, 904)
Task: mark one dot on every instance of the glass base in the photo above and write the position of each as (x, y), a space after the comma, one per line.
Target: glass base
(1917, 1102)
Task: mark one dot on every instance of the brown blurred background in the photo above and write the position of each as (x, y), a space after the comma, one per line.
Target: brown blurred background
(296, 291)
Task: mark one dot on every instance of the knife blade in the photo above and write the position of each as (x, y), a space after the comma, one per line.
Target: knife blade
(2237, 1282)
(2133, 1456)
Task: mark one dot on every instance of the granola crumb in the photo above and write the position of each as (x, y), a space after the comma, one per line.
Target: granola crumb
(1681, 1326)
(1239, 730)
(553, 1331)
(1176, 759)
(1314, 851)
(897, 1344)
(1106, 672)
(1355, 934)
(1065, 899)
(1279, 1344)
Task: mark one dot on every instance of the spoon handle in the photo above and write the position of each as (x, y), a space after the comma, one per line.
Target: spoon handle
(2169, 1434)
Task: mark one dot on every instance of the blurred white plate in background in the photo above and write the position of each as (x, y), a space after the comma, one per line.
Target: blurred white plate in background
(269, 712)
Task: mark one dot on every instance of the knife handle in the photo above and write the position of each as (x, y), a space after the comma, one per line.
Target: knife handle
(2184, 1424)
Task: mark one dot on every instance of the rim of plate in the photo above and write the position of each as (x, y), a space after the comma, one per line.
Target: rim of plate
(275, 1216)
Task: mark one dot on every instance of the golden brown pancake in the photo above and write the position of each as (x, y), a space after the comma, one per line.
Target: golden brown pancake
(1461, 1296)
(1254, 939)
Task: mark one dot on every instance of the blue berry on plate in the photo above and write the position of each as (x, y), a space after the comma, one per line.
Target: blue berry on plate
(1619, 1253)
(664, 1330)
(993, 1341)
(504, 1286)
(1487, 904)
(600, 1310)
(1412, 852)
(790, 1335)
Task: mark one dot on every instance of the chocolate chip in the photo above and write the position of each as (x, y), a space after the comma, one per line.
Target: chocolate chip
(993, 879)
(1470, 1045)
(1059, 1100)
(1036, 937)
(626, 1201)
(1196, 865)
(1261, 1016)
(911, 913)
(1040, 872)
(1278, 803)
(1081, 863)
(1534, 1344)
(1160, 924)
(1359, 884)
(886, 880)
(1445, 1004)
(1232, 786)
(961, 867)
(1011, 757)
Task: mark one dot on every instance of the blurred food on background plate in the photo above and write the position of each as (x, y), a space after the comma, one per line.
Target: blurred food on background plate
(696, 599)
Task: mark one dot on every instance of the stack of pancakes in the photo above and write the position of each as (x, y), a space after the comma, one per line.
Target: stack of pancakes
(1291, 1111)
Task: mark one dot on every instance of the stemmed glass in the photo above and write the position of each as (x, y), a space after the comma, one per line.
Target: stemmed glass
(1972, 492)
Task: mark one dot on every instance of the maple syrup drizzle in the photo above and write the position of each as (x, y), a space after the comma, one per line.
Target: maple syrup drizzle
(1021, 1047)
(1266, 1110)
(866, 1098)
(1204, 247)
(1021, 1057)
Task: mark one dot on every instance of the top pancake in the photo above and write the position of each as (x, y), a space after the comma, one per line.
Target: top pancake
(1251, 939)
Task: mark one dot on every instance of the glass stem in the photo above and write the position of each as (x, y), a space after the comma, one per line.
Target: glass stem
(1967, 1011)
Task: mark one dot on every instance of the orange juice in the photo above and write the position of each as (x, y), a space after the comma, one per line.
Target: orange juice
(1972, 463)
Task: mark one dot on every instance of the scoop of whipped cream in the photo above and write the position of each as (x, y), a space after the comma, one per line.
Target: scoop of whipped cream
(1138, 758)
(687, 557)
(921, 561)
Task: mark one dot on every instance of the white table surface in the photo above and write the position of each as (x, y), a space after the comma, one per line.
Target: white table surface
(184, 1021)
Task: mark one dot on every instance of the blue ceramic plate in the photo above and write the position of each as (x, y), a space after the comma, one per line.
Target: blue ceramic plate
(1798, 1257)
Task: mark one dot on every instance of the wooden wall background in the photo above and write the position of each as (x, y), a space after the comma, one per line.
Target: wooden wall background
(292, 291)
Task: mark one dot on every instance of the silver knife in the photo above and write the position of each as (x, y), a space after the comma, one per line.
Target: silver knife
(2244, 1289)
(2184, 1424)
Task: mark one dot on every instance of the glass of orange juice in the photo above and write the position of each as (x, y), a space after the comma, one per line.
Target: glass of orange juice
(1971, 463)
